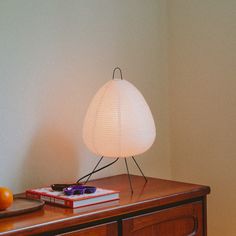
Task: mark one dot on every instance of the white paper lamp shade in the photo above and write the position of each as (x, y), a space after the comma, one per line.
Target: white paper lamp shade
(118, 122)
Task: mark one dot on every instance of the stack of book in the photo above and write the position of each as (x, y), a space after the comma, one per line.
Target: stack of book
(73, 201)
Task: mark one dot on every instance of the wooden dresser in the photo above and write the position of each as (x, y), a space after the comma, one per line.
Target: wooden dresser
(159, 207)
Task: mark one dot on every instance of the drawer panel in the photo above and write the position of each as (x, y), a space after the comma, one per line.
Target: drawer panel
(184, 220)
(109, 229)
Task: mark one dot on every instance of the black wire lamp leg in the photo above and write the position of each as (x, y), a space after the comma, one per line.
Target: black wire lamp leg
(93, 170)
(131, 188)
(97, 170)
(139, 169)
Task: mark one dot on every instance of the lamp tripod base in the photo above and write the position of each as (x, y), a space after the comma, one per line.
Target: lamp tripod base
(127, 168)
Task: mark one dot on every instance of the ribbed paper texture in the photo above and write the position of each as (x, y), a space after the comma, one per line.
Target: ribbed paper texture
(118, 122)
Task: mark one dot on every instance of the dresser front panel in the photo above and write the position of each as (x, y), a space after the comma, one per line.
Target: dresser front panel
(184, 220)
(109, 229)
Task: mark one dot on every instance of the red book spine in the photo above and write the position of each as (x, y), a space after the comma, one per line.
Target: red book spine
(33, 195)
(69, 204)
(48, 198)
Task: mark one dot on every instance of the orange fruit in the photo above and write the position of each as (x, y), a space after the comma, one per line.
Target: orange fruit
(6, 198)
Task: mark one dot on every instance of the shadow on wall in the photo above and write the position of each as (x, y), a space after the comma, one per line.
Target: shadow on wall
(52, 158)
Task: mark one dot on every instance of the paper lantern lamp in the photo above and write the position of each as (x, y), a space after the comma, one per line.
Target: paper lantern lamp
(118, 122)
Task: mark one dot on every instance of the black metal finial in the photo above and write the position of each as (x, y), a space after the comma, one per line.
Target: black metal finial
(117, 68)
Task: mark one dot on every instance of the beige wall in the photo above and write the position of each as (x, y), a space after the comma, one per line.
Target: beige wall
(203, 103)
(54, 55)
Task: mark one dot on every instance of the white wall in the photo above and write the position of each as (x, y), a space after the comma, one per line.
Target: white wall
(54, 55)
(203, 103)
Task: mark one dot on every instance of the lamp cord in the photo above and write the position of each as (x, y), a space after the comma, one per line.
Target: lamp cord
(95, 171)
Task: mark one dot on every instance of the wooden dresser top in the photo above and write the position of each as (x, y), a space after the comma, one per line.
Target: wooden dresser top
(155, 193)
